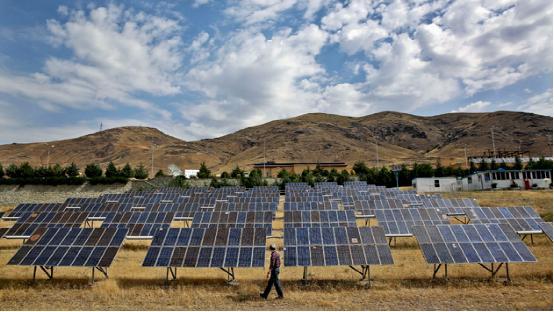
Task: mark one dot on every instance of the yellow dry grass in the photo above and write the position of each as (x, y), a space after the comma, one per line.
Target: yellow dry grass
(406, 285)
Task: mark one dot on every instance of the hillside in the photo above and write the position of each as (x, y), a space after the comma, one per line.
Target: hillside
(402, 138)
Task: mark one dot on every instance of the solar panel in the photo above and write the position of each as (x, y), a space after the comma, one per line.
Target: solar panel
(207, 247)
(399, 222)
(336, 246)
(521, 219)
(24, 209)
(70, 247)
(546, 228)
(320, 218)
(471, 243)
(27, 223)
(312, 205)
(140, 224)
(234, 219)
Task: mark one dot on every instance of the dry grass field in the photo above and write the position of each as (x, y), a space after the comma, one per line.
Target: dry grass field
(406, 285)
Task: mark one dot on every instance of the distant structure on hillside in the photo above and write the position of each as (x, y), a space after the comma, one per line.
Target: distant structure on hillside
(271, 168)
(504, 156)
(486, 180)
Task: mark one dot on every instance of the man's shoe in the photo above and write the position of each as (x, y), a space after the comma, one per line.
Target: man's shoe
(280, 297)
(262, 295)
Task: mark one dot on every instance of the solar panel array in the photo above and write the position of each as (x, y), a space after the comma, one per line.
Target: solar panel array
(521, 219)
(234, 219)
(207, 247)
(27, 223)
(24, 209)
(399, 222)
(471, 243)
(320, 246)
(70, 247)
(320, 218)
(139, 224)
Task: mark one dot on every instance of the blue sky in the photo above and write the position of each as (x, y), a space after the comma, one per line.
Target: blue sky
(203, 68)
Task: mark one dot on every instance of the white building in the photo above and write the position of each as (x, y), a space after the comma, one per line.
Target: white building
(486, 180)
(191, 173)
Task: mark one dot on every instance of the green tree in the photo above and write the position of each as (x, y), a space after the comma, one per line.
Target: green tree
(111, 170)
(126, 171)
(283, 174)
(159, 174)
(360, 169)
(141, 172)
(204, 172)
(483, 165)
(439, 170)
(72, 170)
(57, 171)
(517, 163)
(93, 171)
(26, 171)
(472, 167)
(493, 164)
(1, 171)
(225, 175)
(237, 173)
(12, 171)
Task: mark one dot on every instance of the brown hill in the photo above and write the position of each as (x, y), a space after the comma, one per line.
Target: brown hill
(401, 138)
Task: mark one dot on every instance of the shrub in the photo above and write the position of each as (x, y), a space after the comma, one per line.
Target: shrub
(204, 172)
(225, 175)
(93, 171)
(72, 170)
(44, 181)
(1, 171)
(237, 173)
(160, 173)
(127, 171)
(141, 172)
(180, 181)
(111, 171)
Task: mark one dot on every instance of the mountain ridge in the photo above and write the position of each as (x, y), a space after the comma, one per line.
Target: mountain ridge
(400, 138)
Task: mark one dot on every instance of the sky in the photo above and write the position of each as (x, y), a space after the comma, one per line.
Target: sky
(203, 68)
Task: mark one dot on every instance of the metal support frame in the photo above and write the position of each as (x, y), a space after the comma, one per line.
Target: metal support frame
(305, 276)
(494, 271)
(101, 270)
(392, 239)
(464, 221)
(170, 271)
(231, 279)
(48, 270)
(436, 269)
(531, 235)
(364, 273)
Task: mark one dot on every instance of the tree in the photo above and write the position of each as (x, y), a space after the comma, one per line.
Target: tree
(493, 164)
(141, 172)
(111, 170)
(26, 171)
(237, 173)
(483, 166)
(439, 170)
(225, 175)
(57, 171)
(159, 174)
(72, 170)
(517, 163)
(1, 171)
(93, 171)
(472, 167)
(283, 174)
(12, 171)
(204, 172)
(360, 169)
(127, 171)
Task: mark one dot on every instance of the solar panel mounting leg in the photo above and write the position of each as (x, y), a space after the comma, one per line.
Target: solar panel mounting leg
(49, 271)
(231, 280)
(445, 271)
(34, 273)
(305, 276)
(508, 279)
(532, 243)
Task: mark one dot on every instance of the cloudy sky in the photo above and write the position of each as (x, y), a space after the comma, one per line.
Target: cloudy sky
(203, 68)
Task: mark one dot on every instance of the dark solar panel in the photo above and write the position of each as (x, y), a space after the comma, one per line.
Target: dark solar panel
(320, 218)
(399, 222)
(24, 209)
(234, 219)
(140, 224)
(521, 219)
(27, 223)
(471, 243)
(70, 247)
(336, 246)
(546, 228)
(207, 247)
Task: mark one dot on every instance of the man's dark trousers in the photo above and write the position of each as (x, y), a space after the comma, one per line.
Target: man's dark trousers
(274, 280)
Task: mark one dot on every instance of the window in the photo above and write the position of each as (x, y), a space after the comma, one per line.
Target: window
(469, 180)
(437, 183)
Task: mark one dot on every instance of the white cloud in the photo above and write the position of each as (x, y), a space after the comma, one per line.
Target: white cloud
(475, 107)
(538, 104)
(199, 3)
(116, 54)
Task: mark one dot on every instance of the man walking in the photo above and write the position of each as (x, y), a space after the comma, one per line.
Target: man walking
(273, 274)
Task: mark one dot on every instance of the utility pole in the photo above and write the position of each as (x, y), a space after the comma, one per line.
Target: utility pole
(377, 151)
(465, 153)
(493, 146)
(152, 159)
(265, 174)
(48, 155)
